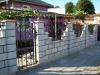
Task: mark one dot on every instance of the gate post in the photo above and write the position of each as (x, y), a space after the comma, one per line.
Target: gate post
(40, 42)
(8, 62)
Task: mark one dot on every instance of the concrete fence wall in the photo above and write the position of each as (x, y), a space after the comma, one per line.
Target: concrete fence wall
(47, 50)
(8, 61)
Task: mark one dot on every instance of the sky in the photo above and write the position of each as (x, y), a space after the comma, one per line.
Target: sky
(61, 3)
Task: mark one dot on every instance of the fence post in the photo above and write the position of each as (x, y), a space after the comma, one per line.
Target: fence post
(40, 42)
(71, 38)
(8, 62)
(84, 34)
(95, 33)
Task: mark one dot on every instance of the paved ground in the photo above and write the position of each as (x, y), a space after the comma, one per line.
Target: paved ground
(85, 62)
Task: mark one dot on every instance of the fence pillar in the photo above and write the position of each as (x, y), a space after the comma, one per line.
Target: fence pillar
(71, 39)
(95, 33)
(8, 62)
(40, 42)
(85, 35)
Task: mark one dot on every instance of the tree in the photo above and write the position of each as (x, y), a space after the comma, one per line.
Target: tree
(86, 6)
(57, 6)
(79, 14)
(69, 8)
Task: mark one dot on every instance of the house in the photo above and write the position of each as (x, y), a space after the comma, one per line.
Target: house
(97, 18)
(57, 10)
(19, 4)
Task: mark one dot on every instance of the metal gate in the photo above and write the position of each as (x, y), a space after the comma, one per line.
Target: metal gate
(26, 44)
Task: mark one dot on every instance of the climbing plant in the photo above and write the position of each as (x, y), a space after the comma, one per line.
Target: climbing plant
(14, 14)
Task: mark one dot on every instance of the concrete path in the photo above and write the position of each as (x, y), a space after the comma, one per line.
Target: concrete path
(85, 62)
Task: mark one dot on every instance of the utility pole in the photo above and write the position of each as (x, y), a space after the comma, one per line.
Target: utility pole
(55, 26)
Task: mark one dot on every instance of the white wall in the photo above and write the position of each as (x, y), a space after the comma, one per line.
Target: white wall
(57, 10)
(49, 50)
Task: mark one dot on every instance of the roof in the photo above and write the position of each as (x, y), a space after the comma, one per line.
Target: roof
(36, 2)
(98, 14)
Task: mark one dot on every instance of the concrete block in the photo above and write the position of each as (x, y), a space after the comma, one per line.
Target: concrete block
(71, 33)
(42, 54)
(6, 62)
(47, 42)
(51, 57)
(46, 47)
(48, 51)
(43, 60)
(57, 44)
(62, 43)
(45, 36)
(40, 25)
(10, 33)
(11, 47)
(41, 43)
(65, 38)
(58, 54)
(11, 40)
(3, 56)
(5, 48)
(4, 71)
(54, 50)
(43, 48)
(72, 37)
(82, 39)
(65, 47)
(2, 41)
(2, 64)
(10, 25)
(12, 70)
(60, 48)
(72, 45)
(40, 31)
(12, 62)
(72, 41)
(82, 47)
(66, 42)
(40, 49)
(66, 33)
(51, 46)
(1, 49)
(41, 37)
(78, 43)
(11, 55)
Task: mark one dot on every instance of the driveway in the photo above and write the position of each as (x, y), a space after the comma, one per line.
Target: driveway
(86, 62)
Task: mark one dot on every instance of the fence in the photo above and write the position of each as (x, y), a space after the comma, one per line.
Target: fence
(69, 43)
(47, 50)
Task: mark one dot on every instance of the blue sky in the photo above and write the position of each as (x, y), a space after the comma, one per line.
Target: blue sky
(61, 3)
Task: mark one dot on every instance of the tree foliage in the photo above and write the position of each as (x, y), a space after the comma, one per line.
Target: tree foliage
(79, 14)
(86, 6)
(69, 8)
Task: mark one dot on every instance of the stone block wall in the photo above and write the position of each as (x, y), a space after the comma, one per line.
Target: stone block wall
(49, 50)
(8, 62)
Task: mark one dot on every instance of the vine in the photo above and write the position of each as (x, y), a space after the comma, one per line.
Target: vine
(14, 14)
